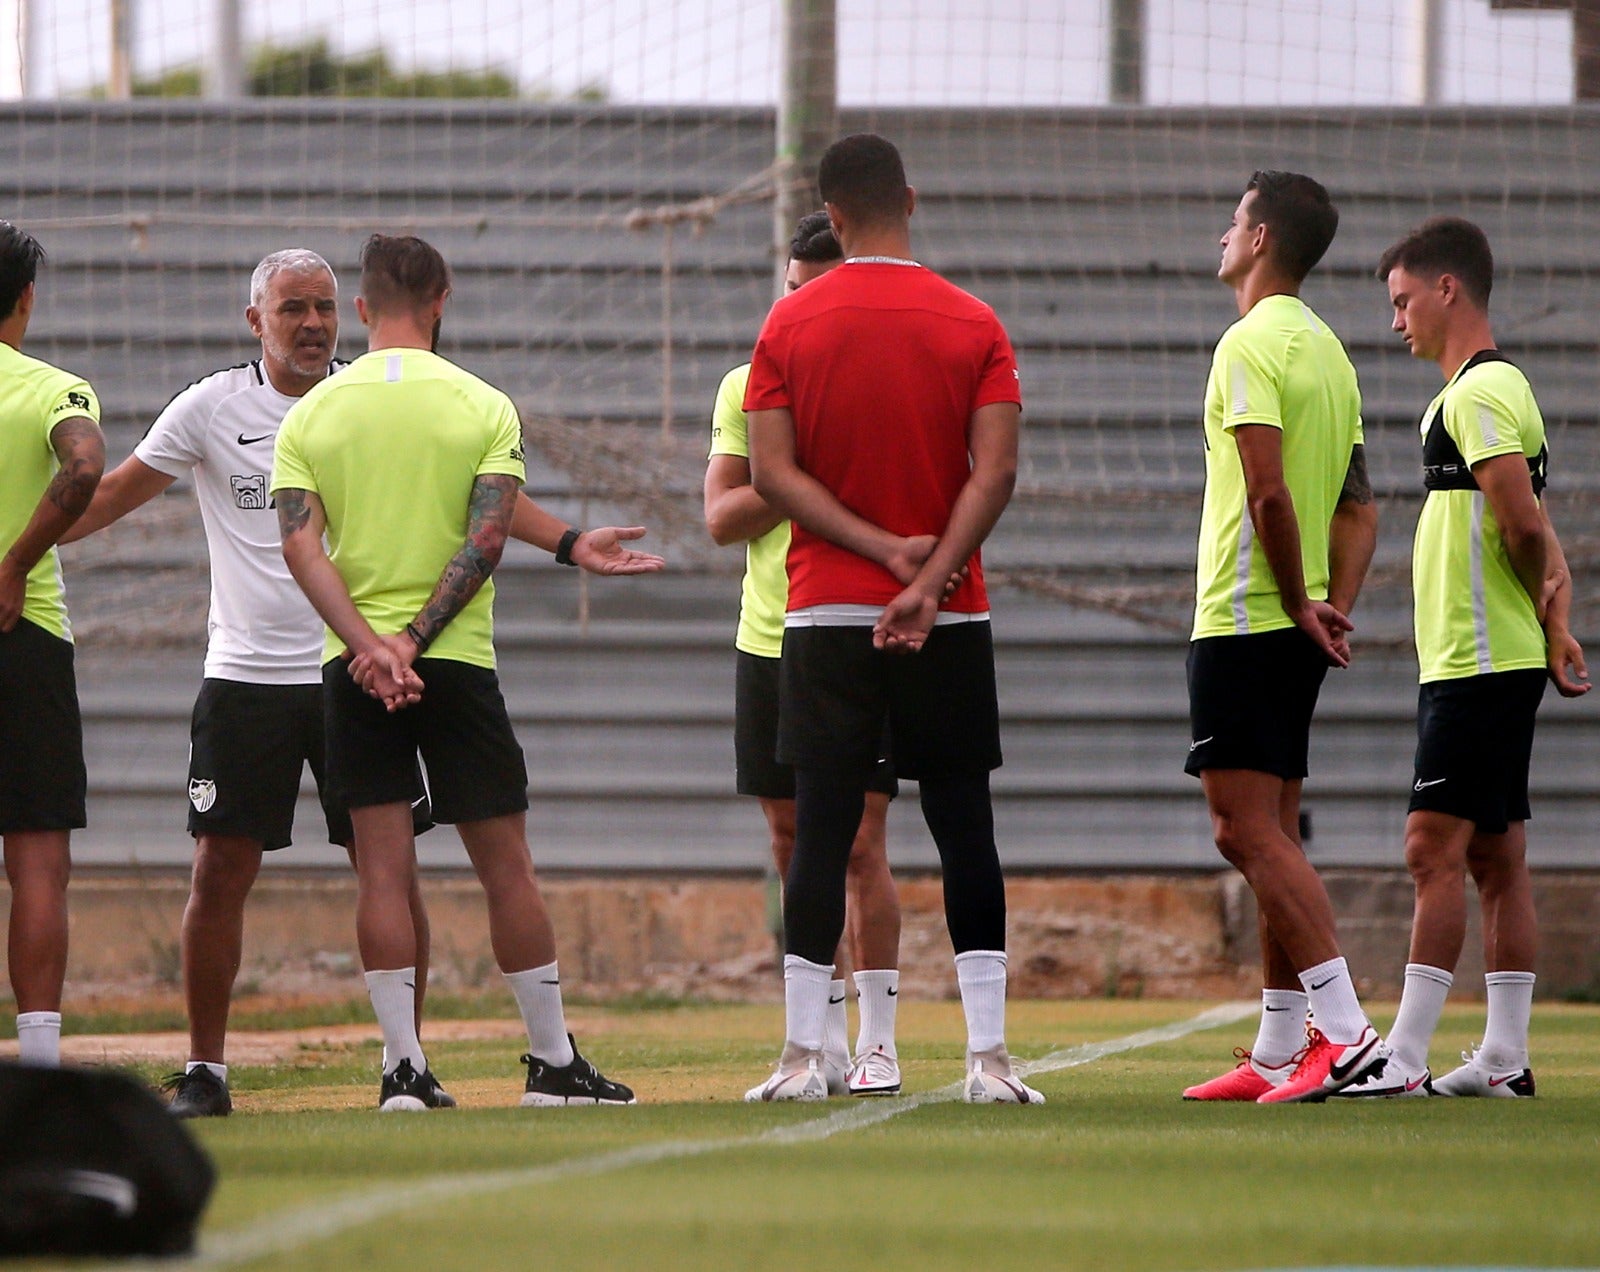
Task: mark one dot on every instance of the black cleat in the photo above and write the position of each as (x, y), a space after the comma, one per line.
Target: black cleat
(407, 1091)
(577, 1083)
(198, 1093)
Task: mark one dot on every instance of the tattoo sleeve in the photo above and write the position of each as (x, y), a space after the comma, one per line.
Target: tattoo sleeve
(494, 499)
(81, 451)
(1356, 486)
(293, 511)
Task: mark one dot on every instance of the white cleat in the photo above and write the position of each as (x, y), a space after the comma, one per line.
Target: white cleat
(875, 1072)
(990, 1080)
(836, 1071)
(799, 1076)
(1392, 1081)
(1475, 1078)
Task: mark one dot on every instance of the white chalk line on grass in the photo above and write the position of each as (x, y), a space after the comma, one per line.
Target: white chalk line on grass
(285, 1231)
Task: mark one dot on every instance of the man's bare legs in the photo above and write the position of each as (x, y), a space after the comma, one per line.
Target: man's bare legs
(521, 934)
(38, 864)
(1246, 811)
(1440, 851)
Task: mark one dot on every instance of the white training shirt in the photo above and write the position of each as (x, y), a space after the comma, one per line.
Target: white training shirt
(262, 629)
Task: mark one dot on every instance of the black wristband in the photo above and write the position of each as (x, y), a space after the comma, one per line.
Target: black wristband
(564, 548)
(417, 638)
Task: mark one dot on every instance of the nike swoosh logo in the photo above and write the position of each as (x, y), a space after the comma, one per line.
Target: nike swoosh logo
(554, 982)
(1339, 1072)
(892, 992)
(1276, 1009)
(411, 984)
(1319, 985)
(1412, 1086)
(834, 1002)
(1494, 1082)
(1201, 742)
(1420, 786)
(251, 441)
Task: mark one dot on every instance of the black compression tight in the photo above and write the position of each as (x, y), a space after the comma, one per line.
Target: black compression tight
(961, 820)
(828, 808)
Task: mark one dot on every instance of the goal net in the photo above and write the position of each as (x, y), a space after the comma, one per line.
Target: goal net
(600, 175)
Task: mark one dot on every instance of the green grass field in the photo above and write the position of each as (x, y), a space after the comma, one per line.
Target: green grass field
(1114, 1172)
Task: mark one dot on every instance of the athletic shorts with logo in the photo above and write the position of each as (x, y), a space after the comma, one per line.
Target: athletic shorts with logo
(755, 735)
(248, 745)
(1251, 699)
(1474, 745)
(836, 693)
(460, 728)
(43, 783)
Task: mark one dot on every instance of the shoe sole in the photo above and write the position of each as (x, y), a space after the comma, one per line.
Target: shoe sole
(402, 1104)
(539, 1100)
(870, 1091)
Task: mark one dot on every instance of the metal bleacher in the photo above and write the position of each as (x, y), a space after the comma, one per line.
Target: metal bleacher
(1093, 233)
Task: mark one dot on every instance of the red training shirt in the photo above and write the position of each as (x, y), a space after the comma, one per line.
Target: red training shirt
(881, 366)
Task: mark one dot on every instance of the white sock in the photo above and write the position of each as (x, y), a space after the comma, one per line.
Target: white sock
(877, 995)
(1505, 1036)
(394, 999)
(39, 1038)
(221, 1070)
(1282, 1031)
(836, 1026)
(1421, 1004)
(1333, 1001)
(538, 995)
(982, 977)
(805, 1001)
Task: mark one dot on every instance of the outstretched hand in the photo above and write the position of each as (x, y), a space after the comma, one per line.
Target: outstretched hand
(601, 551)
(385, 672)
(1329, 629)
(904, 625)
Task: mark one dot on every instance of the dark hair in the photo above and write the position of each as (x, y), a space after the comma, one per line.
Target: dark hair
(862, 175)
(401, 271)
(1300, 215)
(1446, 245)
(20, 255)
(813, 242)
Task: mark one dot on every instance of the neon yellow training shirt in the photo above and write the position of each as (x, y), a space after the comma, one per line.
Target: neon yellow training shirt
(765, 595)
(1472, 615)
(392, 445)
(34, 398)
(1281, 366)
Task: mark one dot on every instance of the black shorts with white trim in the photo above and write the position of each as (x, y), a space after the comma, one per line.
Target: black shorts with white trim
(1474, 746)
(1251, 699)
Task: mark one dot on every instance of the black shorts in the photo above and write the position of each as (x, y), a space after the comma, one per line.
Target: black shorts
(1474, 742)
(247, 746)
(755, 735)
(43, 783)
(836, 693)
(1251, 699)
(461, 729)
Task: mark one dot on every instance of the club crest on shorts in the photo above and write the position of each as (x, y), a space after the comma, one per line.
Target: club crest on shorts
(202, 794)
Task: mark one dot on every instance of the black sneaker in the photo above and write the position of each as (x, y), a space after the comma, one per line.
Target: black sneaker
(198, 1093)
(407, 1091)
(577, 1083)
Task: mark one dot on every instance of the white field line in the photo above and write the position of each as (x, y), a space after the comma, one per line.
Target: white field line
(281, 1233)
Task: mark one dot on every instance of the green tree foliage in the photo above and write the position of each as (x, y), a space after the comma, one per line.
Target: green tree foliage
(312, 69)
